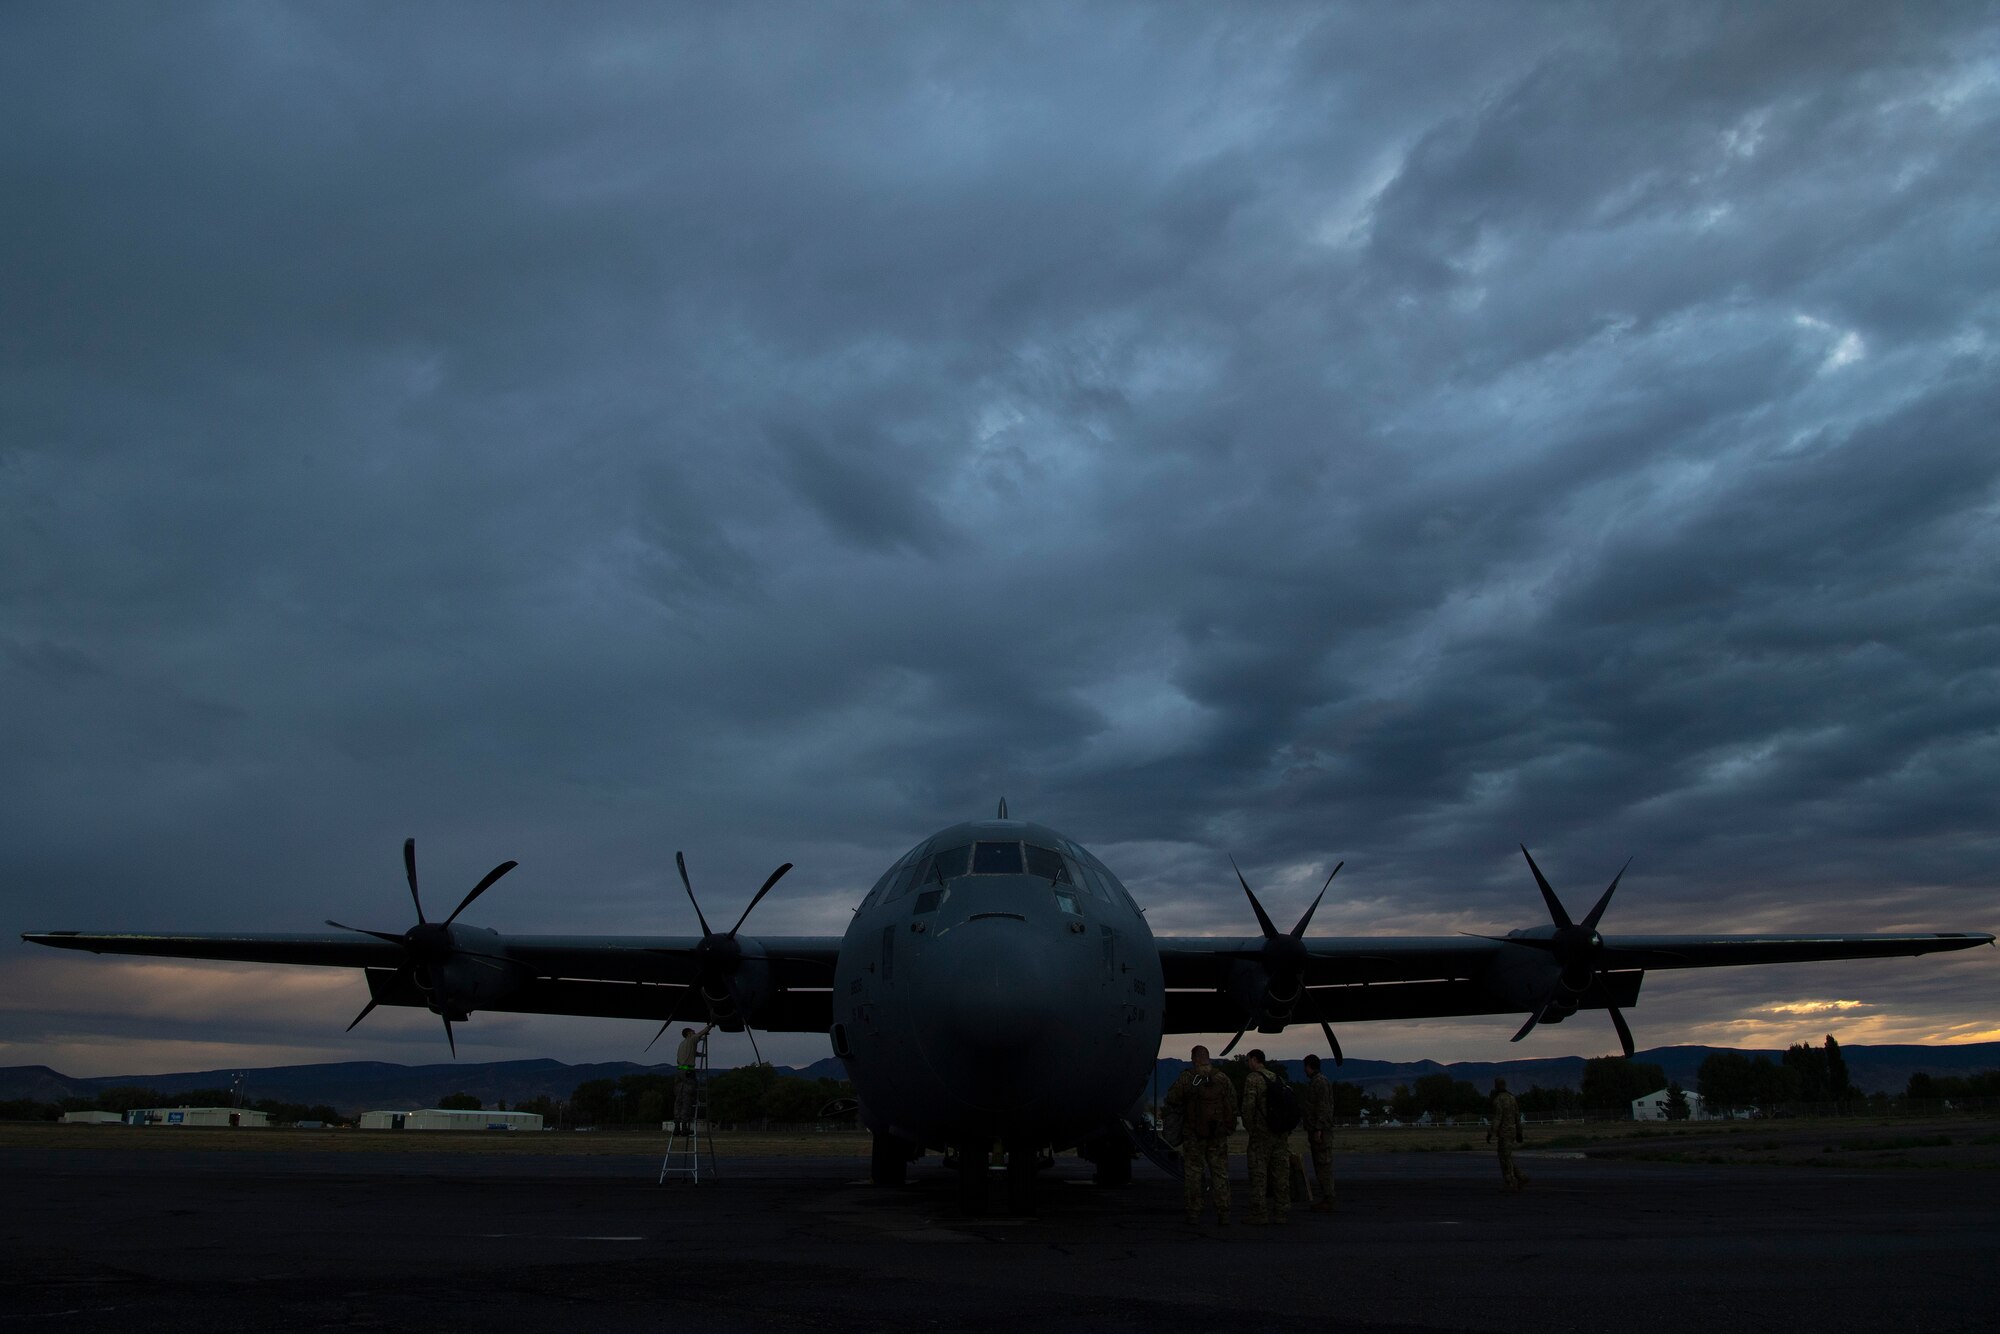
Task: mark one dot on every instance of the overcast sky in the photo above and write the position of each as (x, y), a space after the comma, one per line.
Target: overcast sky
(1387, 432)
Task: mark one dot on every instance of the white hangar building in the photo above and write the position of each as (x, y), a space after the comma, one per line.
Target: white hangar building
(437, 1118)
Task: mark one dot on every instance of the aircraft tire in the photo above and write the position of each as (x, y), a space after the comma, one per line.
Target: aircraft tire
(888, 1162)
(972, 1179)
(1022, 1165)
(1114, 1168)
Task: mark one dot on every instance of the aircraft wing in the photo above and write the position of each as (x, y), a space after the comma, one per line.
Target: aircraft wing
(1426, 977)
(625, 977)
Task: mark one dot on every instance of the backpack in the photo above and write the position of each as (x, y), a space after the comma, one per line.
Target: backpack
(1281, 1105)
(1208, 1104)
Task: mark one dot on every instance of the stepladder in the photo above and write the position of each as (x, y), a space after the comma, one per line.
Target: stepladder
(690, 1141)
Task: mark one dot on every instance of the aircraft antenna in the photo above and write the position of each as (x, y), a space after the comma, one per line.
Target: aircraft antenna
(1003, 809)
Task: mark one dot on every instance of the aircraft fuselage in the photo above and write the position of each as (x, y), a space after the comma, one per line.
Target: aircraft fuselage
(997, 983)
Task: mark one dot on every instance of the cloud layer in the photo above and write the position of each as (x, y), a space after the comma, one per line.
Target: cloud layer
(1303, 433)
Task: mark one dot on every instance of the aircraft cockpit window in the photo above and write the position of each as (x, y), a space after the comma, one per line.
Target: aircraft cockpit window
(996, 859)
(1047, 864)
(1091, 883)
(1066, 900)
(928, 900)
(951, 863)
(1124, 895)
(880, 885)
(906, 879)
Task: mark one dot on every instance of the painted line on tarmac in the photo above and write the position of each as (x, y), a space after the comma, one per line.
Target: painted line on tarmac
(539, 1237)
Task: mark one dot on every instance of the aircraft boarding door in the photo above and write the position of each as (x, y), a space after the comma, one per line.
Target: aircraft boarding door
(692, 1155)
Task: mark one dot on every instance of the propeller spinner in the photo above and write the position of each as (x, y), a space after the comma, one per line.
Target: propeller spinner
(428, 945)
(1283, 957)
(718, 958)
(1576, 948)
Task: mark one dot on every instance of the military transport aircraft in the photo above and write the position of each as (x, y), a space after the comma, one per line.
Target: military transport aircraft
(999, 985)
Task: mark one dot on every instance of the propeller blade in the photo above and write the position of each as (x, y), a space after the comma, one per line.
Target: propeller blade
(1233, 1041)
(410, 870)
(1263, 918)
(448, 1036)
(1299, 931)
(481, 888)
(681, 862)
(363, 931)
(1624, 1033)
(1528, 1027)
(1556, 911)
(1332, 1042)
(363, 1015)
(1590, 920)
(673, 1013)
(758, 897)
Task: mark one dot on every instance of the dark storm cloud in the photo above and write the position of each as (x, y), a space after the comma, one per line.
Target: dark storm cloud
(1301, 433)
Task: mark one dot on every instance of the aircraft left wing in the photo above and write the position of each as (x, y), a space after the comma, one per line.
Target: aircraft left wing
(782, 983)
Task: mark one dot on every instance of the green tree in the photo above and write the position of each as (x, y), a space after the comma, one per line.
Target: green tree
(644, 1099)
(1677, 1108)
(1806, 1067)
(1724, 1081)
(125, 1098)
(736, 1096)
(1610, 1083)
(1772, 1085)
(1837, 1082)
(1542, 1104)
(595, 1102)
(793, 1100)
(541, 1105)
(459, 1102)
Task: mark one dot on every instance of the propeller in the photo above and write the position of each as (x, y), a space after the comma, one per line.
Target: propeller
(1576, 947)
(1284, 957)
(719, 957)
(428, 945)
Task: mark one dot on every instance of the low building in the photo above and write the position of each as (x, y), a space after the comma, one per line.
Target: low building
(92, 1119)
(439, 1118)
(196, 1116)
(1653, 1107)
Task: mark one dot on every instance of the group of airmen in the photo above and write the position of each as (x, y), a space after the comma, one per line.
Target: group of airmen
(1207, 1105)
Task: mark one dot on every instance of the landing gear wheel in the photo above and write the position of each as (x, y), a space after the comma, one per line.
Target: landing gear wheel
(888, 1162)
(972, 1179)
(1022, 1164)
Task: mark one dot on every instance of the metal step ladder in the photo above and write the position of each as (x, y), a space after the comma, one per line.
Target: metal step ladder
(1148, 1139)
(692, 1155)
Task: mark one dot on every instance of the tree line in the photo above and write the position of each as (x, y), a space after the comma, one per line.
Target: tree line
(745, 1095)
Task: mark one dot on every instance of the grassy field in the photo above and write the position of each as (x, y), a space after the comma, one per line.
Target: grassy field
(1959, 1143)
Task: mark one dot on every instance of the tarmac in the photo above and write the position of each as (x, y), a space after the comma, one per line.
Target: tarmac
(99, 1239)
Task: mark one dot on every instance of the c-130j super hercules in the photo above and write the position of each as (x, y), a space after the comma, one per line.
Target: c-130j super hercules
(998, 984)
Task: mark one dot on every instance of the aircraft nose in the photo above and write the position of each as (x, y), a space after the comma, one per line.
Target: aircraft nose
(1004, 993)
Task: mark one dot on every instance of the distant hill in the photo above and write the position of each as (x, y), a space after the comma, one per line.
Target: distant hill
(1885, 1069)
(355, 1086)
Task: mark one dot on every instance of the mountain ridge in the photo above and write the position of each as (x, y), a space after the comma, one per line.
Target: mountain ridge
(353, 1086)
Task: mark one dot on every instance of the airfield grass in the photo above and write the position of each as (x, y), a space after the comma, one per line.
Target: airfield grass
(1952, 1143)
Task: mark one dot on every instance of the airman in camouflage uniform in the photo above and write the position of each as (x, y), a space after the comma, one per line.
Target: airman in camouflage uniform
(687, 1061)
(1505, 1130)
(1207, 1102)
(1270, 1154)
(1318, 1120)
